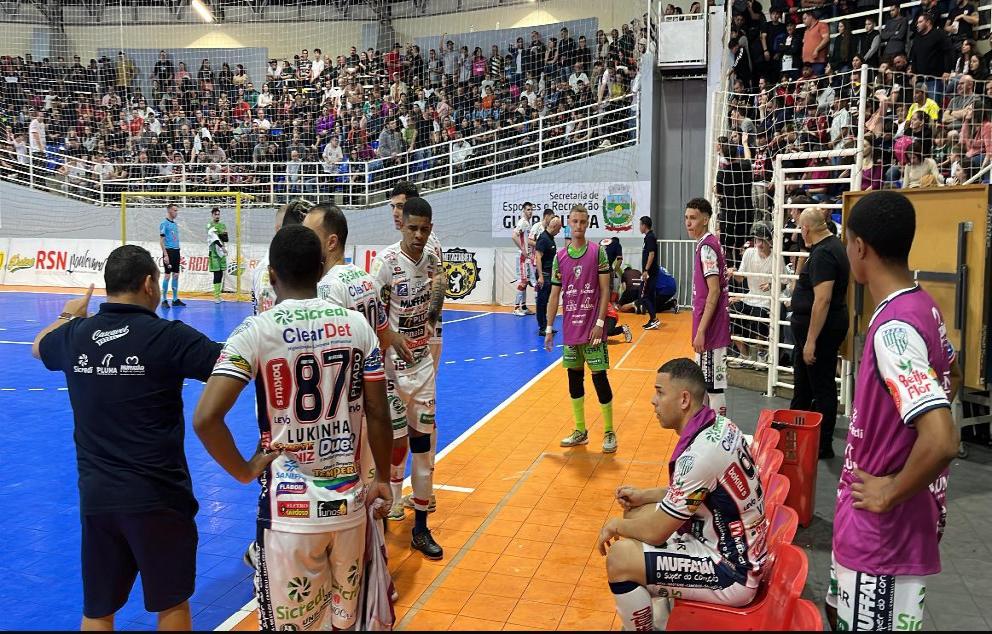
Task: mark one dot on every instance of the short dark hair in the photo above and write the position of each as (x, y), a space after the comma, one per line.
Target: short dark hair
(296, 256)
(802, 199)
(333, 221)
(687, 371)
(405, 188)
(885, 221)
(646, 221)
(528, 204)
(126, 268)
(295, 212)
(548, 211)
(417, 207)
(701, 204)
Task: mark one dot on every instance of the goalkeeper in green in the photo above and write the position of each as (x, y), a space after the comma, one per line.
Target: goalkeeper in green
(216, 239)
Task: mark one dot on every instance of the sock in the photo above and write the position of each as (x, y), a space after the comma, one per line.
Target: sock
(398, 466)
(521, 299)
(607, 409)
(217, 289)
(718, 401)
(165, 288)
(175, 287)
(633, 606)
(579, 412)
(421, 475)
(419, 521)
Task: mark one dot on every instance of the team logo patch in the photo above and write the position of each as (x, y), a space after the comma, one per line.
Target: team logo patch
(298, 589)
(462, 270)
(896, 340)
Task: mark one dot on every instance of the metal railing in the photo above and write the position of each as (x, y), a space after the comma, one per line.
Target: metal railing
(541, 142)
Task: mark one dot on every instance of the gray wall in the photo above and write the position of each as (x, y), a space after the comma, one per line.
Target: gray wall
(680, 152)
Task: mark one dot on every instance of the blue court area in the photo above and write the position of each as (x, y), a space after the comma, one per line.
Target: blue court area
(486, 358)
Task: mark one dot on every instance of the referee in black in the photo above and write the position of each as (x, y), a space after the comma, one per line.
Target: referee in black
(125, 369)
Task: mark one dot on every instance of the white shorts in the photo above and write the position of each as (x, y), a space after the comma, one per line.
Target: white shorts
(524, 272)
(714, 365)
(309, 581)
(683, 568)
(870, 603)
(411, 398)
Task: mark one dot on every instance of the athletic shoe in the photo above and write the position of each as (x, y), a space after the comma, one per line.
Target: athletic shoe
(251, 556)
(178, 302)
(519, 312)
(626, 333)
(528, 311)
(397, 513)
(165, 303)
(652, 325)
(408, 502)
(424, 542)
(216, 300)
(609, 442)
(575, 439)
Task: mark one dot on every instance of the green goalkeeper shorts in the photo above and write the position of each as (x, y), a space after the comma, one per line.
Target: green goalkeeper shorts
(596, 356)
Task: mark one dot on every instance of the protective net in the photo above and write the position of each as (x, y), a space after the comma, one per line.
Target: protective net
(328, 101)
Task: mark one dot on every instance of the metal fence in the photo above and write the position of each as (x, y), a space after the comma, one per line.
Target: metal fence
(541, 142)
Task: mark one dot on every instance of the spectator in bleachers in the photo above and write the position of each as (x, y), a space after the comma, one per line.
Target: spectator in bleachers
(931, 54)
(923, 103)
(816, 39)
(961, 22)
(895, 34)
(869, 43)
(962, 105)
(920, 171)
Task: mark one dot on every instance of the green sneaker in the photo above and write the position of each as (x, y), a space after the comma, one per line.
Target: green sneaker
(609, 442)
(397, 513)
(575, 439)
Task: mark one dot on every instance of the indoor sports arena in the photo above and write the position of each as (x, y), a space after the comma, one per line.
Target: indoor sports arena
(496, 314)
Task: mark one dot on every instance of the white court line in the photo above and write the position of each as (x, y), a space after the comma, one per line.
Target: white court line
(636, 343)
(450, 487)
(455, 321)
(237, 617)
(18, 343)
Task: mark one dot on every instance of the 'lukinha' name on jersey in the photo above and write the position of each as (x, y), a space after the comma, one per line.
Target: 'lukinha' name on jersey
(309, 359)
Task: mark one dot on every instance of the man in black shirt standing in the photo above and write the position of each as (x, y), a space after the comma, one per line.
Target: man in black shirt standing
(932, 54)
(961, 22)
(819, 323)
(649, 274)
(544, 255)
(125, 369)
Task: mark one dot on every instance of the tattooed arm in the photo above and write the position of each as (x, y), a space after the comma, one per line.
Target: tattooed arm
(439, 286)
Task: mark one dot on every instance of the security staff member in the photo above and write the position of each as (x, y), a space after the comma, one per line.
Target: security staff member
(544, 258)
(125, 369)
(819, 323)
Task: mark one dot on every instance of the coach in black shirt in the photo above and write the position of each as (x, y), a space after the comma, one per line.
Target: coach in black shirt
(125, 368)
(819, 323)
(545, 251)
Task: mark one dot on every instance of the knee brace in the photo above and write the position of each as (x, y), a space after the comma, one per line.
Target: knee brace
(603, 389)
(576, 389)
(420, 444)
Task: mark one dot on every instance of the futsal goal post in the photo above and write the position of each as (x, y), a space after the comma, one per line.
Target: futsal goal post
(141, 213)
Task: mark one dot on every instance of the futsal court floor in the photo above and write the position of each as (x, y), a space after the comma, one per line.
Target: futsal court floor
(517, 515)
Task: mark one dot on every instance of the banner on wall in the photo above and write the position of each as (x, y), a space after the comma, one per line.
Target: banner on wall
(614, 207)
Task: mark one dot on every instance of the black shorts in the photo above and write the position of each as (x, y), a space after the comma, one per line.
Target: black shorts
(161, 545)
(172, 260)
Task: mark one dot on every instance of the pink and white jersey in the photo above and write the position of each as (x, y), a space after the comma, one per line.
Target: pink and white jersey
(351, 287)
(709, 261)
(905, 372)
(263, 296)
(715, 487)
(405, 287)
(309, 360)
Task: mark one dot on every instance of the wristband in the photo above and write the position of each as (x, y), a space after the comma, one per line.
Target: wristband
(67, 316)
(600, 323)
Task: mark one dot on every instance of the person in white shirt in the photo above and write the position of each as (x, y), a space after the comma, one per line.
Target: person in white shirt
(320, 386)
(317, 67)
(577, 76)
(264, 97)
(529, 93)
(36, 133)
(263, 296)
(331, 157)
(521, 233)
(756, 268)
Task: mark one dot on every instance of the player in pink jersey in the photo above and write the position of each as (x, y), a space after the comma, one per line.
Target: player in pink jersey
(891, 497)
(710, 303)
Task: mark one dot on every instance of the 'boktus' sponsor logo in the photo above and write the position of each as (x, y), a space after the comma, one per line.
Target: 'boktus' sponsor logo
(735, 477)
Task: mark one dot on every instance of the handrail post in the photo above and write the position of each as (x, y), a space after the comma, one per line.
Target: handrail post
(272, 183)
(540, 141)
(451, 167)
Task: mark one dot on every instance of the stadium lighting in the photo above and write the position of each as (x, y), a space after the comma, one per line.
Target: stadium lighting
(202, 10)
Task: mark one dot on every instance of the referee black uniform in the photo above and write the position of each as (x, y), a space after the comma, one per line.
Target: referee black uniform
(125, 368)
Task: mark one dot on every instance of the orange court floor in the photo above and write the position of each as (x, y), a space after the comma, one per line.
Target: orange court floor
(520, 548)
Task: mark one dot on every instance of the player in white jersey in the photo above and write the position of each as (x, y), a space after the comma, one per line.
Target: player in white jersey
(402, 191)
(521, 234)
(317, 371)
(703, 538)
(404, 272)
(262, 295)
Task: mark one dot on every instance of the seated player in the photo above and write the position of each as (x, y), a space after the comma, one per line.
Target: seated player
(709, 524)
(632, 299)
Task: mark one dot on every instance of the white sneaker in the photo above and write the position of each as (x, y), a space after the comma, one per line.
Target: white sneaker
(609, 442)
(408, 502)
(397, 513)
(575, 439)
(519, 312)
(627, 337)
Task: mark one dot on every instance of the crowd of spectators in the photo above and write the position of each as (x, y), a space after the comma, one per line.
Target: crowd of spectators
(928, 116)
(308, 118)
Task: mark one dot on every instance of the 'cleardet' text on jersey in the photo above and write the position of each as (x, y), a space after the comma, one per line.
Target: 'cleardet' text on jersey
(409, 297)
(714, 487)
(309, 359)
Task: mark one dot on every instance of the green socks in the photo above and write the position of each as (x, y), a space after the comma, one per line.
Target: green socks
(579, 413)
(217, 289)
(607, 409)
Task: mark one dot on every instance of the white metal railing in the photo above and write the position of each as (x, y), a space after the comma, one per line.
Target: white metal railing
(676, 256)
(482, 157)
